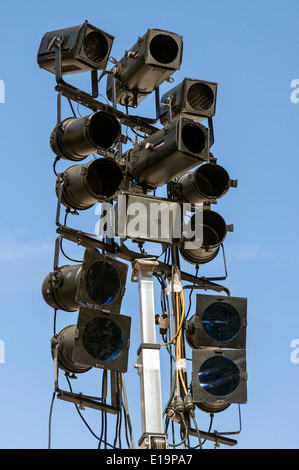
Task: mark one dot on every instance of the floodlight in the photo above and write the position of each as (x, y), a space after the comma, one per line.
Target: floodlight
(98, 340)
(59, 288)
(207, 182)
(219, 321)
(194, 99)
(219, 376)
(76, 138)
(65, 339)
(152, 60)
(102, 340)
(213, 230)
(84, 48)
(99, 281)
(169, 153)
(84, 185)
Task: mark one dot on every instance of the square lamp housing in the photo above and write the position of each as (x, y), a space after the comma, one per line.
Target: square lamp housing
(169, 152)
(155, 56)
(194, 99)
(84, 48)
(219, 322)
(102, 281)
(219, 376)
(102, 340)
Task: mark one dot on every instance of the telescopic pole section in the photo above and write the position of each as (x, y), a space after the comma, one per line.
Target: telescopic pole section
(148, 363)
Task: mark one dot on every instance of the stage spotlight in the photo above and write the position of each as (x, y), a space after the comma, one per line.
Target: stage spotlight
(152, 60)
(219, 376)
(219, 321)
(213, 231)
(208, 182)
(65, 341)
(99, 281)
(169, 152)
(102, 340)
(84, 48)
(194, 99)
(76, 138)
(84, 185)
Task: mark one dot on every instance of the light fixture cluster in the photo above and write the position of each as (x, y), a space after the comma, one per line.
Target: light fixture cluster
(178, 155)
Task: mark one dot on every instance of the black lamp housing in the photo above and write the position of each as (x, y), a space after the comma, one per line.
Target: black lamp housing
(219, 322)
(208, 182)
(152, 60)
(59, 288)
(102, 281)
(99, 281)
(169, 152)
(213, 230)
(219, 376)
(76, 138)
(84, 48)
(84, 185)
(194, 99)
(102, 339)
(65, 339)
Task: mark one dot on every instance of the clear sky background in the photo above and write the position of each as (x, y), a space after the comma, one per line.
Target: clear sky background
(251, 50)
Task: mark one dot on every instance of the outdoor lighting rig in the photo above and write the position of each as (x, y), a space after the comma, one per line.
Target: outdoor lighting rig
(173, 150)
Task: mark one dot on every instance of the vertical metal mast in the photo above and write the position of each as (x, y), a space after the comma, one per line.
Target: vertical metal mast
(148, 363)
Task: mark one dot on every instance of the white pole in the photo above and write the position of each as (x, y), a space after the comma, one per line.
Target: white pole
(148, 364)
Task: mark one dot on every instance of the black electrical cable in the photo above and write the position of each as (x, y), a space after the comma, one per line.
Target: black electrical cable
(133, 130)
(70, 103)
(79, 412)
(54, 322)
(126, 427)
(83, 419)
(119, 429)
(183, 438)
(66, 256)
(67, 211)
(54, 165)
(190, 294)
(50, 420)
(118, 420)
(197, 430)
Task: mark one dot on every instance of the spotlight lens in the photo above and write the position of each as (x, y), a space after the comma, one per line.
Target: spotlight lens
(102, 339)
(200, 96)
(102, 282)
(104, 129)
(212, 180)
(193, 138)
(163, 48)
(214, 228)
(95, 46)
(219, 376)
(104, 177)
(221, 321)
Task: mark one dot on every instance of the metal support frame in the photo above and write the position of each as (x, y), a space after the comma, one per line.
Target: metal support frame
(148, 364)
(78, 398)
(116, 387)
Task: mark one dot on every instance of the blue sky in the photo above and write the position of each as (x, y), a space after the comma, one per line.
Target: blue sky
(251, 50)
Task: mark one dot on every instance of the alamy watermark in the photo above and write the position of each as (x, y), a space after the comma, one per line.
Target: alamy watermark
(295, 353)
(152, 220)
(2, 92)
(295, 93)
(2, 352)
